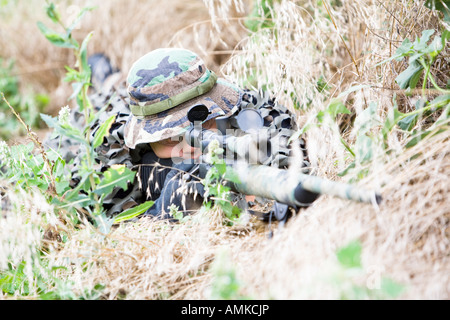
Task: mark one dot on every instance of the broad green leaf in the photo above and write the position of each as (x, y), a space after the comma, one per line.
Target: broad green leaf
(367, 119)
(62, 186)
(133, 212)
(408, 122)
(435, 47)
(421, 43)
(221, 168)
(103, 131)
(442, 100)
(350, 255)
(393, 117)
(231, 175)
(56, 38)
(404, 50)
(409, 77)
(320, 116)
(364, 148)
(336, 107)
(416, 138)
(115, 176)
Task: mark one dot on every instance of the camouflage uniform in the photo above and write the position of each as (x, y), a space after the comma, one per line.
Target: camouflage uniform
(161, 87)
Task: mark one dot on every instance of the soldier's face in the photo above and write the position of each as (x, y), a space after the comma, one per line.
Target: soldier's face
(177, 147)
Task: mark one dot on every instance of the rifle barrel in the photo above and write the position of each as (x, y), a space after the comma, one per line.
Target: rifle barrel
(294, 188)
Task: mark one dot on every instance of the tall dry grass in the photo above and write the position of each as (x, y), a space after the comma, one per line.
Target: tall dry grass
(123, 30)
(406, 238)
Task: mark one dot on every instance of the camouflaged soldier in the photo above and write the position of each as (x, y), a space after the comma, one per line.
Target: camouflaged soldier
(151, 116)
(162, 86)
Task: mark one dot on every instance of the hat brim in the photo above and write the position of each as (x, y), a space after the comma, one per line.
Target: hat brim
(220, 101)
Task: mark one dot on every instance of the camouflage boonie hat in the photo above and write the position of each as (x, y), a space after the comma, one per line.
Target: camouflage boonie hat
(163, 85)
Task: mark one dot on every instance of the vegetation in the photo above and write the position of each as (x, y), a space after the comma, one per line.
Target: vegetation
(369, 83)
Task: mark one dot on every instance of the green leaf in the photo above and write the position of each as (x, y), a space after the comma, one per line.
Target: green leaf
(364, 148)
(133, 212)
(102, 131)
(68, 131)
(52, 13)
(416, 138)
(408, 122)
(56, 38)
(421, 43)
(336, 107)
(442, 100)
(435, 47)
(366, 119)
(231, 175)
(62, 186)
(409, 77)
(391, 288)
(83, 52)
(221, 168)
(72, 75)
(350, 255)
(347, 170)
(404, 50)
(393, 117)
(115, 176)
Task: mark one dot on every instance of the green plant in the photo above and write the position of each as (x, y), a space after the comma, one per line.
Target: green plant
(350, 268)
(94, 185)
(421, 55)
(214, 182)
(133, 212)
(29, 105)
(48, 286)
(261, 16)
(225, 284)
(372, 130)
(32, 168)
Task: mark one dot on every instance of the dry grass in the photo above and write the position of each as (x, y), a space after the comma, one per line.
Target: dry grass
(405, 238)
(123, 30)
